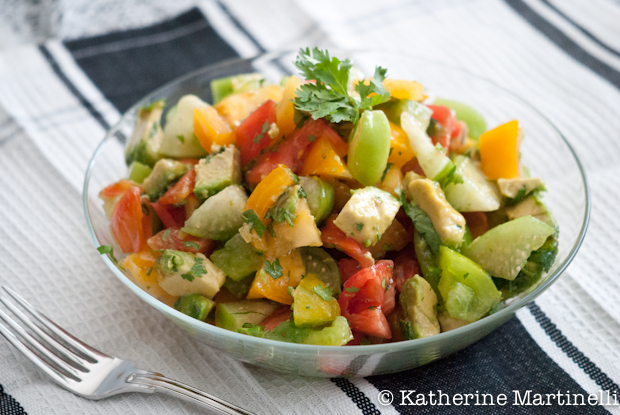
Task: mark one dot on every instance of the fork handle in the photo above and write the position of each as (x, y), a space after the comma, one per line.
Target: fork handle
(180, 390)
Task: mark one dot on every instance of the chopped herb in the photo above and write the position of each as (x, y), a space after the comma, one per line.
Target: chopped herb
(466, 275)
(145, 209)
(407, 330)
(153, 105)
(422, 222)
(252, 330)
(383, 283)
(290, 291)
(107, 249)
(451, 177)
(312, 138)
(359, 226)
(274, 269)
(250, 217)
(352, 289)
(154, 129)
(388, 247)
(148, 271)
(197, 271)
(301, 193)
(518, 197)
(272, 231)
(263, 130)
(299, 118)
(372, 307)
(390, 153)
(439, 147)
(308, 307)
(325, 293)
(387, 167)
(181, 138)
(365, 341)
(165, 235)
(247, 312)
(191, 244)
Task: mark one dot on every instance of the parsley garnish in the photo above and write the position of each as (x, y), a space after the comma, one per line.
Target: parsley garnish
(325, 293)
(359, 226)
(352, 289)
(329, 97)
(181, 138)
(301, 193)
(107, 249)
(197, 271)
(422, 222)
(249, 216)
(270, 229)
(387, 167)
(191, 244)
(312, 138)
(148, 272)
(263, 130)
(165, 235)
(274, 269)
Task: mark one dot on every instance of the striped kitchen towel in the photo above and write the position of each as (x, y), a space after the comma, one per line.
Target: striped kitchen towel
(58, 98)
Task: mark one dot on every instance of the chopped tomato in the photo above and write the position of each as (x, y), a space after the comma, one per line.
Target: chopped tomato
(458, 135)
(171, 217)
(414, 166)
(252, 134)
(117, 189)
(181, 189)
(147, 219)
(126, 222)
(348, 267)
(290, 151)
(331, 235)
(389, 297)
(477, 222)
(405, 267)
(279, 316)
(173, 239)
(445, 118)
(363, 297)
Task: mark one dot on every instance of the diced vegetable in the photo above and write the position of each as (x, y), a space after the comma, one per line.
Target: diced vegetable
(403, 89)
(322, 160)
(217, 171)
(223, 87)
(145, 142)
(394, 108)
(474, 120)
(394, 238)
(138, 172)
(179, 138)
(275, 277)
(233, 316)
(428, 263)
(369, 148)
(177, 194)
(333, 237)
(140, 266)
(163, 174)
(195, 305)
(320, 196)
(474, 193)
(313, 303)
(126, 222)
(499, 151)
(174, 239)
(419, 304)
(253, 134)
(236, 108)
(400, 149)
(182, 273)
(321, 264)
(391, 180)
(532, 206)
(210, 128)
(238, 259)
(285, 110)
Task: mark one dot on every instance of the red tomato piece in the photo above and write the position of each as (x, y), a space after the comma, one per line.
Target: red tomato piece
(362, 299)
(181, 189)
(414, 166)
(477, 222)
(252, 134)
(389, 298)
(117, 189)
(348, 267)
(331, 235)
(445, 118)
(276, 318)
(405, 267)
(126, 222)
(290, 151)
(171, 217)
(459, 135)
(171, 239)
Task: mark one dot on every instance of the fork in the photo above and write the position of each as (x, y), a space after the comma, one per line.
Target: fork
(86, 371)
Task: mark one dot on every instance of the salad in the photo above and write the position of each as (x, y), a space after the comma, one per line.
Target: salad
(328, 209)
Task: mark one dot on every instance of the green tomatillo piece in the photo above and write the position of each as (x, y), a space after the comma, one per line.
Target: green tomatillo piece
(370, 147)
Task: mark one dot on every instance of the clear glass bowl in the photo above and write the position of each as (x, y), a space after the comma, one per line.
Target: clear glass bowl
(545, 151)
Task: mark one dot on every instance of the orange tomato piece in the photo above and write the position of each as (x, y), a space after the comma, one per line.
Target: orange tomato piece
(402, 89)
(322, 160)
(499, 151)
(269, 189)
(141, 267)
(210, 128)
(265, 286)
(285, 110)
(400, 150)
(235, 108)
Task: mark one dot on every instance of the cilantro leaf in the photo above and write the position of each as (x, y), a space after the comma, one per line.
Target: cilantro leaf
(250, 217)
(191, 244)
(181, 138)
(359, 226)
(387, 167)
(263, 130)
(107, 249)
(165, 235)
(325, 293)
(374, 89)
(197, 271)
(422, 222)
(274, 269)
(518, 197)
(451, 177)
(252, 330)
(351, 289)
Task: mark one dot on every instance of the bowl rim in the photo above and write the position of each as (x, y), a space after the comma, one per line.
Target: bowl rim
(504, 313)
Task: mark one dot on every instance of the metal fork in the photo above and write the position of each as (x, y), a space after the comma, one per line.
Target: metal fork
(85, 371)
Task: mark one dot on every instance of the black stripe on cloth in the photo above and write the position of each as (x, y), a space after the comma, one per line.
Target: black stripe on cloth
(65, 80)
(8, 405)
(506, 360)
(595, 373)
(357, 396)
(127, 65)
(565, 43)
(582, 29)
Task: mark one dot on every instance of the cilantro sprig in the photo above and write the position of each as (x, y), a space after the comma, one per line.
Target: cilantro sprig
(274, 269)
(250, 217)
(325, 293)
(196, 271)
(328, 97)
(422, 222)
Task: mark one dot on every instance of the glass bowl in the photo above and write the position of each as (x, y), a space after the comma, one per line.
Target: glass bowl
(545, 151)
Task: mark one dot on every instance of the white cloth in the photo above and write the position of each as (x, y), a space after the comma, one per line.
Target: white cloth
(47, 138)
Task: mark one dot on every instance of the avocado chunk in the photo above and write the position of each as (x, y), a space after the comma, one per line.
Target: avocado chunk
(138, 172)
(238, 259)
(532, 206)
(367, 215)
(504, 250)
(145, 142)
(467, 290)
(313, 303)
(428, 196)
(419, 304)
(321, 264)
(475, 193)
(217, 171)
(232, 316)
(164, 173)
(517, 189)
(179, 140)
(220, 216)
(182, 273)
(195, 305)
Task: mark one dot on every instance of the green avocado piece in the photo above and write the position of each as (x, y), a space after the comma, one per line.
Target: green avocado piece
(338, 333)
(217, 171)
(238, 259)
(232, 316)
(145, 142)
(220, 216)
(419, 304)
(195, 305)
(138, 172)
(164, 173)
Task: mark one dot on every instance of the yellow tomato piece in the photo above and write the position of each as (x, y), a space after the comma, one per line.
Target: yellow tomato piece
(266, 193)
(392, 180)
(141, 267)
(285, 110)
(400, 150)
(310, 308)
(323, 161)
(499, 151)
(265, 286)
(210, 128)
(235, 108)
(401, 89)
